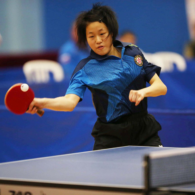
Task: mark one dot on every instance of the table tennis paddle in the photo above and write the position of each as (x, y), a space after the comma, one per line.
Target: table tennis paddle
(18, 99)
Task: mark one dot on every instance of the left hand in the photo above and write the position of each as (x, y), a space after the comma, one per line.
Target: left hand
(136, 96)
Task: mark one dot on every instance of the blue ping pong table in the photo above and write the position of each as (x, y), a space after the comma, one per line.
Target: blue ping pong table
(111, 171)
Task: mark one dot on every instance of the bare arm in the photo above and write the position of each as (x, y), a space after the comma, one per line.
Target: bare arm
(156, 88)
(63, 103)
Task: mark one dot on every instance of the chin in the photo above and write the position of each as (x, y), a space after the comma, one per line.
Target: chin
(102, 53)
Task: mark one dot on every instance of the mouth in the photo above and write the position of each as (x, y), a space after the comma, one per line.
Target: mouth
(100, 47)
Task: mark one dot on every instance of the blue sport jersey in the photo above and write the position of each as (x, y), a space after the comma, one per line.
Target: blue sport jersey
(110, 80)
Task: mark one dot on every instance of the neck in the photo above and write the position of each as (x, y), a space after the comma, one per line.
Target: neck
(115, 51)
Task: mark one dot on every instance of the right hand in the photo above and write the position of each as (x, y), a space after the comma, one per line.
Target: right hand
(35, 105)
(136, 96)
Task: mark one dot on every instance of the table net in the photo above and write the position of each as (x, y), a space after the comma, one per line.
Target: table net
(168, 168)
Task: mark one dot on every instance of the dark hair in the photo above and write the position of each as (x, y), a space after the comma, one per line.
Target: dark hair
(97, 13)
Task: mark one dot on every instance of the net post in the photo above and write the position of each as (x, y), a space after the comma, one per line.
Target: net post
(146, 166)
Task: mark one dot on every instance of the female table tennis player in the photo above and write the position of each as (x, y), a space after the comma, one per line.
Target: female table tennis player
(116, 74)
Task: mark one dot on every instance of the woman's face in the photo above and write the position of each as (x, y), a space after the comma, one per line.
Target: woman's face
(98, 38)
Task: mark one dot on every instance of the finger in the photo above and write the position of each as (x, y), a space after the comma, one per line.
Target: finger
(31, 106)
(138, 100)
(34, 110)
(131, 96)
(134, 97)
(27, 111)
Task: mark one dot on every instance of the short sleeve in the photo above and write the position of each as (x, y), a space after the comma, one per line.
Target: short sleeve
(150, 69)
(77, 86)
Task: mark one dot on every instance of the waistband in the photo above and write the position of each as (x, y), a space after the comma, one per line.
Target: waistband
(124, 118)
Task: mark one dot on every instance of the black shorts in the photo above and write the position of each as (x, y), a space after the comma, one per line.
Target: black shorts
(137, 130)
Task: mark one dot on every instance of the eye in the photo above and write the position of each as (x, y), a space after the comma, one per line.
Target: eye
(102, 33)
(91, 36)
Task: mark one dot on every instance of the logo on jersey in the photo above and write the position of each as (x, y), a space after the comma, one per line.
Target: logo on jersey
(138, 60)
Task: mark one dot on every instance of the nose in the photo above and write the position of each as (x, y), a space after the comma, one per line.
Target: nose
(98, 39)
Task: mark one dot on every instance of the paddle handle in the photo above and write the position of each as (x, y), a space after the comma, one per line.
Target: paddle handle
(40, 112)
